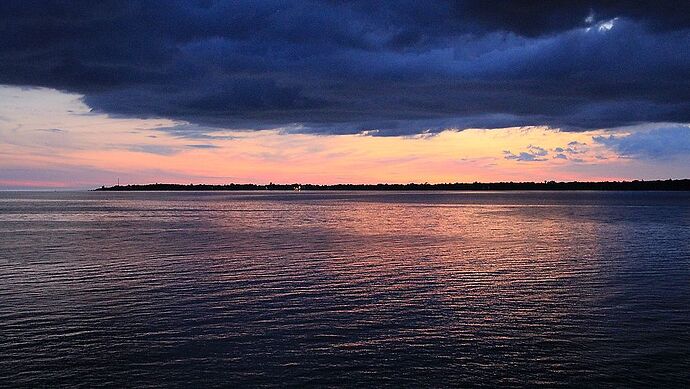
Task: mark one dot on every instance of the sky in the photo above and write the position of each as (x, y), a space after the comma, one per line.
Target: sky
(330, 91)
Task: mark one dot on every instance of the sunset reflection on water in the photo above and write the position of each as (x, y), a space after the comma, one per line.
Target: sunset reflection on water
(515, 288)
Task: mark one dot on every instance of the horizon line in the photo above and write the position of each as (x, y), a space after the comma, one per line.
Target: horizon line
(668, 184)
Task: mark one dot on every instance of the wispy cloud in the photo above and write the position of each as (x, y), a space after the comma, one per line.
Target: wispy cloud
(153, 149)
(203, 146)
(196, 132)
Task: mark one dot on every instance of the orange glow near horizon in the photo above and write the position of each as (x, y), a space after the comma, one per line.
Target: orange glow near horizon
(51, 139)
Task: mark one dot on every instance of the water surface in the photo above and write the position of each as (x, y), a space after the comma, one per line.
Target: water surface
(344, 289)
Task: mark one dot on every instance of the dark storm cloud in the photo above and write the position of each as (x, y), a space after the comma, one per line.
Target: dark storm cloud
(333, 67)
(538, 17)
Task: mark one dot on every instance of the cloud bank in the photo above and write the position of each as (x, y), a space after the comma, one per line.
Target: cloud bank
(660, 143)
(332, 67)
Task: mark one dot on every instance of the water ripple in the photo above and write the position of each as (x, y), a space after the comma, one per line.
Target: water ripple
(354, 289)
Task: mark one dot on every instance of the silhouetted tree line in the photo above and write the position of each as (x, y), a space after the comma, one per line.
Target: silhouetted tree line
(665, 185)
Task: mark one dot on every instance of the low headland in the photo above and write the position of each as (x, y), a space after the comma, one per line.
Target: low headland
(636, 185)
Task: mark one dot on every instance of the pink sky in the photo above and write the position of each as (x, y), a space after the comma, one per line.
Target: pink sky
(50, 139)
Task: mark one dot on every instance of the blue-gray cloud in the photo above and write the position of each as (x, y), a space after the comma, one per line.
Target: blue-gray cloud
(533, 154)
(660, 143)
(402, 67)
(571, 151)
(203, 146)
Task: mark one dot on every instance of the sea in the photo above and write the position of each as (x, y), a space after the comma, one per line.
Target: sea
(344, 289)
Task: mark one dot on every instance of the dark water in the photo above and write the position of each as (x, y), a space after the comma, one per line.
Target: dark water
(345, 289)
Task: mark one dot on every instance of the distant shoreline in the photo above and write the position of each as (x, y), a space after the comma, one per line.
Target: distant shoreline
(657, 185)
